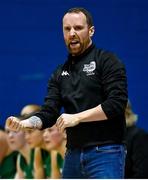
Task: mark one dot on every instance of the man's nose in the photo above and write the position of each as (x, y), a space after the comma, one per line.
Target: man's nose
(72, 32)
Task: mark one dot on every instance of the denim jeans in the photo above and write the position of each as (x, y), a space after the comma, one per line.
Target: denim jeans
(96, 162)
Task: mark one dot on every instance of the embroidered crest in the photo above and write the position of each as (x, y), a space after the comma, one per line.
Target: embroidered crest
(89, 68)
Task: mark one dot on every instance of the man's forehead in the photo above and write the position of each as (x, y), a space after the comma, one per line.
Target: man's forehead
(79, 17)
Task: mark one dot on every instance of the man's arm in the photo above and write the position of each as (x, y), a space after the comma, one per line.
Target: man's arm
(70, 120)
(114, 87)
(49, 111)
(16, 124)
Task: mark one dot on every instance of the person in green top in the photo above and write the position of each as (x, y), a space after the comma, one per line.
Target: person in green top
(8, 166)
(43, 163)
(55, 142)
(30, 161)
(17, 142)
(33, 160)
(27, 168)
(7, 158)
(40, 160)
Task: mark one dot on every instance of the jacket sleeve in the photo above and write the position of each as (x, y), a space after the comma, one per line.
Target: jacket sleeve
(51, 109)
(114, 83)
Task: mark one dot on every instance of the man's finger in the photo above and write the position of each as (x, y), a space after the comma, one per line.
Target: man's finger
(9, 121)
(59, 121)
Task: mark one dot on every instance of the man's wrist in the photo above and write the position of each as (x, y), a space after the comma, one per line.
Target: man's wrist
(78, 118)
(35, 122)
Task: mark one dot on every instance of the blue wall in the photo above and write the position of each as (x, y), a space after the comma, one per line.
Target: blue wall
(31, 46)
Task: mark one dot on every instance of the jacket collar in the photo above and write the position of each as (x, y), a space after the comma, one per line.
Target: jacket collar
(74, 59)
(79, 57)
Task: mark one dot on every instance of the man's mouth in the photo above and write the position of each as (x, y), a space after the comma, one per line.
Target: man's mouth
(74, 42)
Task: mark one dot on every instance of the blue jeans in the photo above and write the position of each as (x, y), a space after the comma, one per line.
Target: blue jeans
(96, 162)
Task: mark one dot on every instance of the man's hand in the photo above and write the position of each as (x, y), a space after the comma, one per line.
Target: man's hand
(16, 124)
(67, 120)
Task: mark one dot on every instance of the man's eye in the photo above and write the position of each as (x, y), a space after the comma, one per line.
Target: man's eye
(78, 28)
(67, 29)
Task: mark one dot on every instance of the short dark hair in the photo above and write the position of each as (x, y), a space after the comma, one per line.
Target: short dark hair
(89, 18)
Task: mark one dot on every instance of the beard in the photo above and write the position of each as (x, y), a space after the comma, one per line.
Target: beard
(76, 46)
(75, 49)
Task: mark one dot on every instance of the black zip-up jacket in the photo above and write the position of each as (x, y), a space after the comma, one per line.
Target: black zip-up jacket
(83, 82)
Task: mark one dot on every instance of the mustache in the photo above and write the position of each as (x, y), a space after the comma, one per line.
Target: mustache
(68, 45)
(71, 40)
(74, 38)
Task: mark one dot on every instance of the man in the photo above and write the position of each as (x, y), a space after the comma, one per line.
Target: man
(92, 88)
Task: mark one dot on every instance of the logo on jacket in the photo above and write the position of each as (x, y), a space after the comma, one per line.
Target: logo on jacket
(89, 68)
(65, 73)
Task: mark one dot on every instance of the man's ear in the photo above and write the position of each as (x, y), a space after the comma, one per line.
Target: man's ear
(91, 31)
